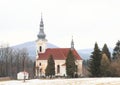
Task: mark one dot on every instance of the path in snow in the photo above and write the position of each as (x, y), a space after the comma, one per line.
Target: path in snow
(78, 81)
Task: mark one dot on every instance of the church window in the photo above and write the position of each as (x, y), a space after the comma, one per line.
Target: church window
(58, 68)
(40, 48)
(76, 66)
(40, 64)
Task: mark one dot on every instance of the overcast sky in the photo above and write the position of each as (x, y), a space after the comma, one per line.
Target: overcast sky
(88, 21)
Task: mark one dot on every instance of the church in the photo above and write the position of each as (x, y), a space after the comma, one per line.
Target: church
(59, 55)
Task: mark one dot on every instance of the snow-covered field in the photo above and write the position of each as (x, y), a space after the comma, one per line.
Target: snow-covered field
(78, 81)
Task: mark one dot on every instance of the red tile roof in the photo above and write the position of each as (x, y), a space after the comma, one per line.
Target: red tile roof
(58, 54)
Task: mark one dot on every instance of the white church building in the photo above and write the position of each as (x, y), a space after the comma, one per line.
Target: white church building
(59, 55)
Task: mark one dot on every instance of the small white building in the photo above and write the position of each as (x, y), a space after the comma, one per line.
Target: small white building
(22, 75)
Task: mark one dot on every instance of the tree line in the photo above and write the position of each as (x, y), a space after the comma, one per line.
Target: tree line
(103, 64)
(100, 64)
(13, 61)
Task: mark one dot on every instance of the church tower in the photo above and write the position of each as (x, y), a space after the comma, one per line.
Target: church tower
(72, 44)
(41, 42)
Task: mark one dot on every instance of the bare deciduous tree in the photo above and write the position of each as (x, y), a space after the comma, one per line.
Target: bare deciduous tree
(13, 61)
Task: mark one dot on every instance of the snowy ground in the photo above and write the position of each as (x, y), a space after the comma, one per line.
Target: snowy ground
(78, 81)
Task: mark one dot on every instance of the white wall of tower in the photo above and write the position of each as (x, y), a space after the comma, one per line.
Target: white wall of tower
(41, 43)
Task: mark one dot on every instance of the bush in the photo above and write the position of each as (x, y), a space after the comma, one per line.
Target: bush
(115, 69)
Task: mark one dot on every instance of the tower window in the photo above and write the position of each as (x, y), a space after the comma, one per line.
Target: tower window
(40, 48)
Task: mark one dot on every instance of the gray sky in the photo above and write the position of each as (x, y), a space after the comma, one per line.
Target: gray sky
(88, 21)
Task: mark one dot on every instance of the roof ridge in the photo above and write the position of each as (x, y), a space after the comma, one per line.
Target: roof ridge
(77, 54)
(58, 48)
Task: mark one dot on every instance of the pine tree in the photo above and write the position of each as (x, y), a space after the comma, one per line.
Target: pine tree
(106, 51)
(116, 51)
(105, 64)
(50, 69)
(95, 60)
(70, 64)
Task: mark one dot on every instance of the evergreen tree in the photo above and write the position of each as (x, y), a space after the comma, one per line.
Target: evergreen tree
(70, 64)
(116, 51)
(47, 70)
(95, 60)
(50, 69)
(105, 64)
(106, 51)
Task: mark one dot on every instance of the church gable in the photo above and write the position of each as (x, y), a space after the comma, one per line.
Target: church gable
(58, 54)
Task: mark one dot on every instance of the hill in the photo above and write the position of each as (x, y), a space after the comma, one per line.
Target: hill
(86, 53)
(31, 47)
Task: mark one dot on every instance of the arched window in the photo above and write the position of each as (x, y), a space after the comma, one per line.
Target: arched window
(58, 68)
(40, 48)
(76, 67)
(40, 64)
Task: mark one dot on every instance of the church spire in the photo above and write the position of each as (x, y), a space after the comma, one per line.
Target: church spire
(72, 44)
(41, 34)
(41, 22)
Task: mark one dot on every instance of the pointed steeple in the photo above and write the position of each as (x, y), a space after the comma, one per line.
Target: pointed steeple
(41, 34)
(72, 44)
(41, 22)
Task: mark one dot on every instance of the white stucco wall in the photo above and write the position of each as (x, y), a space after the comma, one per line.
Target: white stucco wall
(21, 75)
(57, 62)
(62, 68)
(79, 63)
